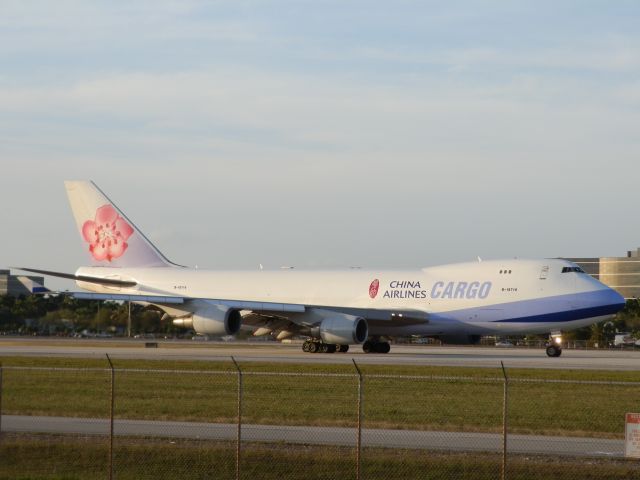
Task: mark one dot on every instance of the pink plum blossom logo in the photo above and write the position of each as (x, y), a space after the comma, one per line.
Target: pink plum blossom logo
(107, 235)
(373, 288)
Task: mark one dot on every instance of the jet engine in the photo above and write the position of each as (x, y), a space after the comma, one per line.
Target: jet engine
(342, 329)
(212, 320)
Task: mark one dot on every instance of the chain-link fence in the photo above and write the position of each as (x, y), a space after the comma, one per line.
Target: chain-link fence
(230, 424)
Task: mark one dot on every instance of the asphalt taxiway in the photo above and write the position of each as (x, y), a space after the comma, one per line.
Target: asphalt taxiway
(472, 356)
(307, 435)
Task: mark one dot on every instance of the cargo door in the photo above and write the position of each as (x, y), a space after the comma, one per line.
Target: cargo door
(544, 272)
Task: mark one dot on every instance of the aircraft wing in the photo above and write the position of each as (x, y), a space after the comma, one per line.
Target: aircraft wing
(280, 320)
(163, 299)
(126, 298)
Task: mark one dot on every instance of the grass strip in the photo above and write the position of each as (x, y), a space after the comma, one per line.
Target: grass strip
(54, 457)
(404, 397)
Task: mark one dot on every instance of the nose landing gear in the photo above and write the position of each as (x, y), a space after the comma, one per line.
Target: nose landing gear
(554, 346)
(554, 350)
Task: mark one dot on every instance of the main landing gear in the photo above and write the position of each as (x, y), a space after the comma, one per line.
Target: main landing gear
(317, 346)
(376, 347)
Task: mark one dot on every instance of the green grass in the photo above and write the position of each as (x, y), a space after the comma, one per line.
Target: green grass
(410, 400)
(283, 367)
(52, 457)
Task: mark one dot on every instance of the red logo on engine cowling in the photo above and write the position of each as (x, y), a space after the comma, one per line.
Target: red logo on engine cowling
(373, 288)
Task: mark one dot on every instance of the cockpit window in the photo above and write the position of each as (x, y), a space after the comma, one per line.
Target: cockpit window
(572, 269)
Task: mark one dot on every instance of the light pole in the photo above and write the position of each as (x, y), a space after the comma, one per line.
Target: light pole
(129, 320)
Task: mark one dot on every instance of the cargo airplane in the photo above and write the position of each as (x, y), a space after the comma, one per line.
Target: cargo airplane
(457, 303)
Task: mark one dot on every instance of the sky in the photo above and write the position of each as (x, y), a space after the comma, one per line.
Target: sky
(322, 134)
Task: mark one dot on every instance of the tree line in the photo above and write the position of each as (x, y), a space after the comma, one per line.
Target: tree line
(65, 315)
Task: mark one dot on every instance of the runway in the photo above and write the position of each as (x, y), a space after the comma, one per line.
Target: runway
(472, 356)
(335, 436)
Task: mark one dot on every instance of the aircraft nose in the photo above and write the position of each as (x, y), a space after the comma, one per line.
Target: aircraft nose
(604, 301)
(610, 301)
(616, 300)
(603, 298)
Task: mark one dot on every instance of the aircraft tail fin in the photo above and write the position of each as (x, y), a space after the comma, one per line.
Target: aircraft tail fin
(109, 237)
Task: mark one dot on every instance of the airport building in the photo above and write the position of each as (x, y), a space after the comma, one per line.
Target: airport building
(17, 285)
(619, 273)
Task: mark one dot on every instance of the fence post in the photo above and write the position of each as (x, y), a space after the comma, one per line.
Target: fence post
(504, 422)
(112, 397)
(1, 391)
(239, 432)
(359, 427)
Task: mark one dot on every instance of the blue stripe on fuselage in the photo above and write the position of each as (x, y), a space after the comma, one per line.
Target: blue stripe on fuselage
(561, 308)
(568, 315)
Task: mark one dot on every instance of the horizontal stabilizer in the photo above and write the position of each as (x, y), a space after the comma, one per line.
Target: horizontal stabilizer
(84, 278)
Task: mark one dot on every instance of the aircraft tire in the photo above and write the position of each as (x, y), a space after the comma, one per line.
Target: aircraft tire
(554, 351)
(343, 348)
(305, 346)
(313, 347)
(324, 348)
(376, 347)
(331, 348)
(381, 347)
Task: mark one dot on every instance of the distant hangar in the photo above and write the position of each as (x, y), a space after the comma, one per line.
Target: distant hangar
(619, 273)
(16, 285)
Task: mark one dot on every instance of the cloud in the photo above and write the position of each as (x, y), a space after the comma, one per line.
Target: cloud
(609, 57)
(325, 127)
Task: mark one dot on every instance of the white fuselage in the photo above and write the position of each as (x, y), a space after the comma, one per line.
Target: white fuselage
(489, 297)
